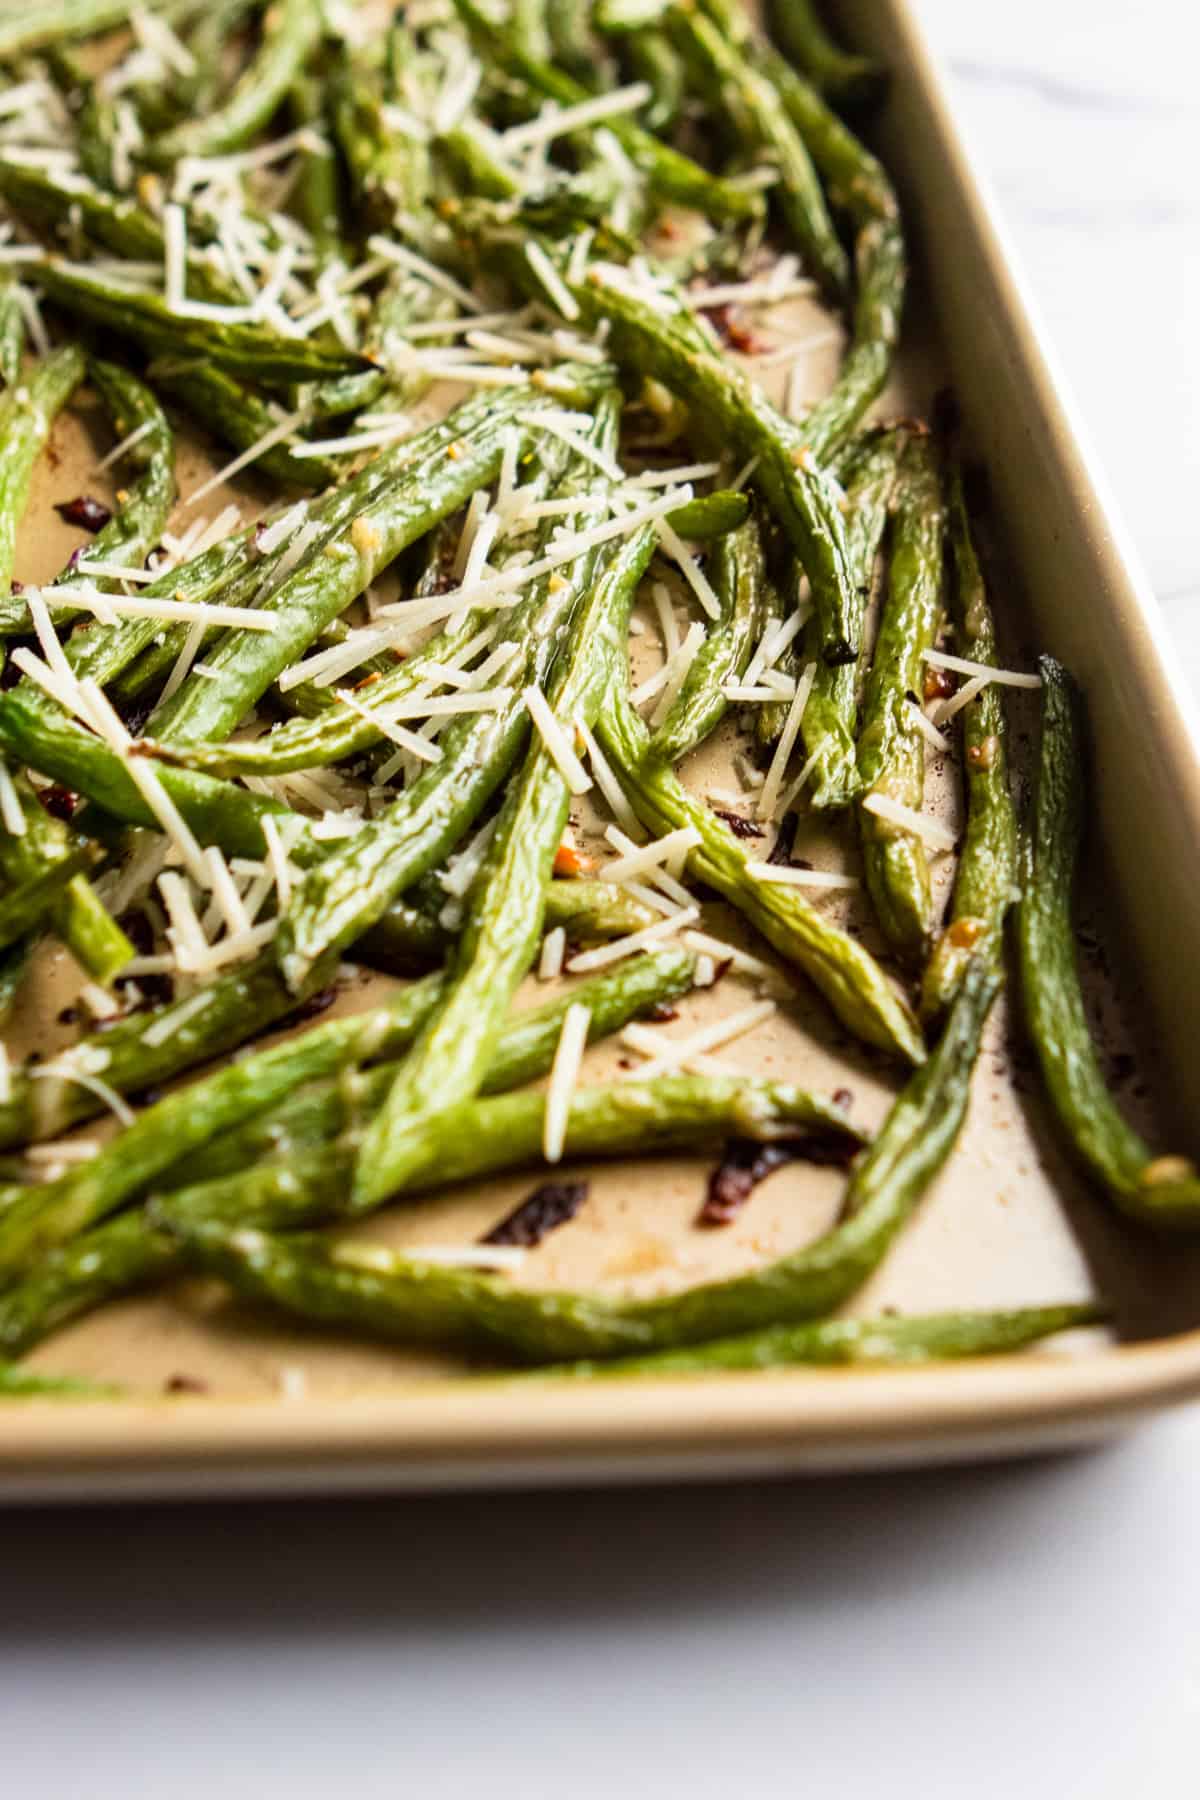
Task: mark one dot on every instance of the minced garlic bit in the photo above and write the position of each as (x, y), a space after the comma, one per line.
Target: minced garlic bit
(364, 536)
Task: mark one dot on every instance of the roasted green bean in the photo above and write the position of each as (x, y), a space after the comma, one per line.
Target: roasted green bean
(1157, 1190)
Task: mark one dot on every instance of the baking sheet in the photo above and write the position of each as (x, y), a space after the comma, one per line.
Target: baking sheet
(1006, 1223)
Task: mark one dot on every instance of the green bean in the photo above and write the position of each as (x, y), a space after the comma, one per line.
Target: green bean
(80, 1274)
(117, 1258)
(737, 574)
(31, 1384)
(654, 60)
(52, 22)
(760, 118)
(209, 43)
(292, 31)
(733, 413)
(476, 166)
(711, 516)
(24, 907)
(1162, 1191)
(491, 1135)
(885, 1342)
(14, 967)
(857, 184)
(26, 416)
(987, 864)
(143, 510)
(239, 417)
(504, 923)
(94, 938)
(405, 938)
(847, 78)
(252, 350)
(404, 301)
(46, 849)
(669, 174)
(317, 194)
(401, 1299)
(530, 26)
(846, 975)
(45, 1099)
(45, 739)
(46, 862)
(94, 115)
(891, 750)
(73, 206)
(12, 332)
(770, 717)
(623, 18)
(572, 45)
(356, 884)
(174, 1127)
(439, 481)
(831, 711)
(389, 173)
(524, 1050)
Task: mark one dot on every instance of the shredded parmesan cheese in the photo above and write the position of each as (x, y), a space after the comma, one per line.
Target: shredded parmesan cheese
(681, 1052)
(556, 288)
(554, 946)
(277, 435)
(927, 728)
(608, 783)
(548, 126)
(564, 1078)
(788, 876)
(556, 741)
(769, 796)
(932, 831)
(693, 574)
(620, 948)
(663, 851)
(945, 710)
(721, 952)
(960, 666)
(10, 804)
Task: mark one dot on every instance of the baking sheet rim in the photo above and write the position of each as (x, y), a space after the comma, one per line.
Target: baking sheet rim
(468, 1433)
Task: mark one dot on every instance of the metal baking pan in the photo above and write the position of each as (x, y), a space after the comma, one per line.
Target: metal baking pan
(1007, 1222)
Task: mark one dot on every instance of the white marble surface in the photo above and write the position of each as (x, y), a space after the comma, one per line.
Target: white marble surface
(1086, 121)
(1027, 1630)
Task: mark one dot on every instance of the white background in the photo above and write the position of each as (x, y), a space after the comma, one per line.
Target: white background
(1028, 1631)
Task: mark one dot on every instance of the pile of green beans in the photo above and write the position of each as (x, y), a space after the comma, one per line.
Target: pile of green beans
(291, 241)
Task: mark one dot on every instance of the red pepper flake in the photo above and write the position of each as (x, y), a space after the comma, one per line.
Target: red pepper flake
(89, 514)
(732, 328)
(740, 827)
(184, 1384)
(569, 861)
(59, 802)
(553, 1204)
(746, 1163)
(939, 683)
